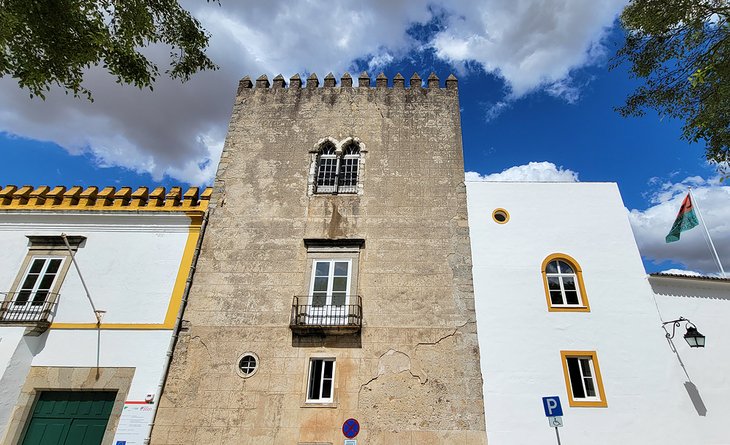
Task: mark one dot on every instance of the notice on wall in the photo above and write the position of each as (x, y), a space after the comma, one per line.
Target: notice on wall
(134, 424)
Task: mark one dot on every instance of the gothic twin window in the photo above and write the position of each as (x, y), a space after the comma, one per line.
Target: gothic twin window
(337, 170)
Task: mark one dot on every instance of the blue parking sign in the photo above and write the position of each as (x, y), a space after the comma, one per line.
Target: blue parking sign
(552, 406)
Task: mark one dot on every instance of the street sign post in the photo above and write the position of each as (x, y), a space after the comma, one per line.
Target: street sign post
(350, 428)
(552, 406)
(554, 413)
(555, 422)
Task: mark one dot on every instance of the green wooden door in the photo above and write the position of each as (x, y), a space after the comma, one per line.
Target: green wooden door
(69, 418)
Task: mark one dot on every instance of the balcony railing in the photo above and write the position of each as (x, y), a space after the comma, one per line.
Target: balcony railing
(308, 318)
(28, 308)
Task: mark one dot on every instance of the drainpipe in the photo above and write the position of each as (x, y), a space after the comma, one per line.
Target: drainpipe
(178, 325)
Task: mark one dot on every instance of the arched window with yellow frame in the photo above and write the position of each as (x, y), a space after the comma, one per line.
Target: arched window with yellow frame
(564, 288)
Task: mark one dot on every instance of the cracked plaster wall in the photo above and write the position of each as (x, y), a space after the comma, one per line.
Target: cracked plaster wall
(412, 376)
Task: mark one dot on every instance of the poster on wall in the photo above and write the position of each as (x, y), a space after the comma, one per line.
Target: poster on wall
(134, 424)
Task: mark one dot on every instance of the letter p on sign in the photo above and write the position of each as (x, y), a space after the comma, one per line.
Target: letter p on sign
(552, 406)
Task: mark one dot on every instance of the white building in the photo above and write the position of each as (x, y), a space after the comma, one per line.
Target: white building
(564, 308)
(134, 250)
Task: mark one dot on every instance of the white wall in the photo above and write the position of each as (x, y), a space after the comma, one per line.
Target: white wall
(520, 341)
(130, 263)
(15, 358)
(707, 304)
(142, 350)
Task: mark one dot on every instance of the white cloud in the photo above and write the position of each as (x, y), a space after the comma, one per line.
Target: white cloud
(652, 225)
(494, 110)
(532, 172)
(691, 273)
(178, 130)
(531, 44)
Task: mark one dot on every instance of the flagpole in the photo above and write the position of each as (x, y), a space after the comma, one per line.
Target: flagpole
(702, 220)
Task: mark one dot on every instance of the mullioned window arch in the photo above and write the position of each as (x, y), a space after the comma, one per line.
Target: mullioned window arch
(564, 288)
(337, 166)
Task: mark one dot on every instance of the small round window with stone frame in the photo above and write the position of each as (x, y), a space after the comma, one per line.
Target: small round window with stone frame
(248, 364)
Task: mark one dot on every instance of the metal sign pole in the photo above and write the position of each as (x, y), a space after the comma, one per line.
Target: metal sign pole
(557, 434)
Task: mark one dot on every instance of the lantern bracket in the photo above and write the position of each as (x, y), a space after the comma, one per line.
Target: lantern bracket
(675, 324)
(691, 336)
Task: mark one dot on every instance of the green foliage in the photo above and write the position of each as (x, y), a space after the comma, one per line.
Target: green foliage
(681, 51)
(53, 42)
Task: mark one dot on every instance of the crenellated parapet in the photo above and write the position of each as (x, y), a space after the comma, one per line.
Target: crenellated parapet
(160, 199)
(346, 81)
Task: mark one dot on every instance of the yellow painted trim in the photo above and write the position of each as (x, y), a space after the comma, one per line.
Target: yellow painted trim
(183, 271)
(506, 213)
(178, 291)
(603, 403)
(75, 198)
(111, 326)
(578, 273)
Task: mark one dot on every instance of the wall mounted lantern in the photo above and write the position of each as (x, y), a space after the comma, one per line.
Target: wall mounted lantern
(693, 337)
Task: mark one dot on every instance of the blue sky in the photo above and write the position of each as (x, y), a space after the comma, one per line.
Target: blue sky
(545, 99)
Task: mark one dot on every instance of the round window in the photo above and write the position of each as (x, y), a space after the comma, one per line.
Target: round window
(248, 364)
(500, 216)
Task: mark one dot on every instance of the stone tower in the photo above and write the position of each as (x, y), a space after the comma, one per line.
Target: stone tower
(334, 280)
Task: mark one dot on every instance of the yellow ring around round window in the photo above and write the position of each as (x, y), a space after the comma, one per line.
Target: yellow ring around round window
(500, 216)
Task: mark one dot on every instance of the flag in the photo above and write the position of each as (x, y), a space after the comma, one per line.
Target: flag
(686, 219)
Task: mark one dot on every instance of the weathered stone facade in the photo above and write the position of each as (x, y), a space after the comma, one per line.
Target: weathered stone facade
(412, 375)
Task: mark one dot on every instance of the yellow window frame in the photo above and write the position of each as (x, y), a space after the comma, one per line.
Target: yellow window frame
(602, 403)
(585, 307)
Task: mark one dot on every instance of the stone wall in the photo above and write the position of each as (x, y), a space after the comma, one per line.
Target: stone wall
(412, 375)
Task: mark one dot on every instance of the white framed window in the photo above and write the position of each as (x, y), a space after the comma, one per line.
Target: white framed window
(330, 282)
(321, 381)
(329, 292)
(583, 379)
(37, 281)
(337, 171)
(564, 288)
(35, 290)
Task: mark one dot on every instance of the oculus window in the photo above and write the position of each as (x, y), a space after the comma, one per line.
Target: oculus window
(248, 364)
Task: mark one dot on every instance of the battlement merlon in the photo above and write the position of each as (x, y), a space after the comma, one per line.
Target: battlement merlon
(191, 201)
(346, 82)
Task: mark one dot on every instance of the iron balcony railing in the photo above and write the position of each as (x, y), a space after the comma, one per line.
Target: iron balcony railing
(27, 307)
(307, 317)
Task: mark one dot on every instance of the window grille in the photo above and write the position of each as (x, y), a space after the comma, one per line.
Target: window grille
(338, 172)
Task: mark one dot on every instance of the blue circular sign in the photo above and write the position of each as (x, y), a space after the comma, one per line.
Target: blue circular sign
(350, 428)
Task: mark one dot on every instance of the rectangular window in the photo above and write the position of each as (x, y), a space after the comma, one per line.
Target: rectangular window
(329, 292)
(34, 293)
(38, 281)
(583, 379)
(328, 301)
(320, 388)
